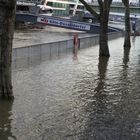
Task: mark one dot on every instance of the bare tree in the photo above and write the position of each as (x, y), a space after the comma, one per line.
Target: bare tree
(103, 17)
(44, 2)
(7, 20)
(127, 42)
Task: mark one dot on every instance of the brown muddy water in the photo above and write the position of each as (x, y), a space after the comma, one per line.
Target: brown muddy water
(76, 98)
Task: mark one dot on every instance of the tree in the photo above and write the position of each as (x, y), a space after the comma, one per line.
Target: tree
(44, 2)
(127, 42)
(7, 17)
(103, 17)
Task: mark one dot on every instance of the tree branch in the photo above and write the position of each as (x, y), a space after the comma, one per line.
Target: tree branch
(125, 2)
(90, 9)
(100, 3)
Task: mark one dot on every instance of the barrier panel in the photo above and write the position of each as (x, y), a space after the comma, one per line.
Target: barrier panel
(32, 54)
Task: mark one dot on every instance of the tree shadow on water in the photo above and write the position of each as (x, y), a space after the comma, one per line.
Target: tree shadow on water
(104, 121)
(98, 124)
(102, 68)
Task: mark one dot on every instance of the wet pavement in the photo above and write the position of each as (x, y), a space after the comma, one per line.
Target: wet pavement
(76, 97)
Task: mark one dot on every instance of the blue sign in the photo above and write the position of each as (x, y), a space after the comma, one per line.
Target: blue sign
(63, 23)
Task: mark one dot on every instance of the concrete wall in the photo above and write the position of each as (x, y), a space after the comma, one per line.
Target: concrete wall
(28, 55)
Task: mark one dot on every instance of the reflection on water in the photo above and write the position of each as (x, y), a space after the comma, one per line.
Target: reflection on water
(5, 120)
(80, 97)
(126, 55)
(102, 66)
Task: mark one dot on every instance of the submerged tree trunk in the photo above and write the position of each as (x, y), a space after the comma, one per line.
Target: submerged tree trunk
(103, 40)
(7, 17)
(127, 42)
(103, 20)
(104, 16)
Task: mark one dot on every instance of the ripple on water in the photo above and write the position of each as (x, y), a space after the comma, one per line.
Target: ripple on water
(83, 98)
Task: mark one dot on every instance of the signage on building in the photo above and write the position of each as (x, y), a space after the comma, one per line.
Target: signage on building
(64, 23)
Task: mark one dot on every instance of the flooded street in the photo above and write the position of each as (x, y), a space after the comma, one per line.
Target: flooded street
(76, 98)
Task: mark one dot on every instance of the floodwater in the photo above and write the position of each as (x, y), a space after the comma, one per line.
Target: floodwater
(76, 97)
